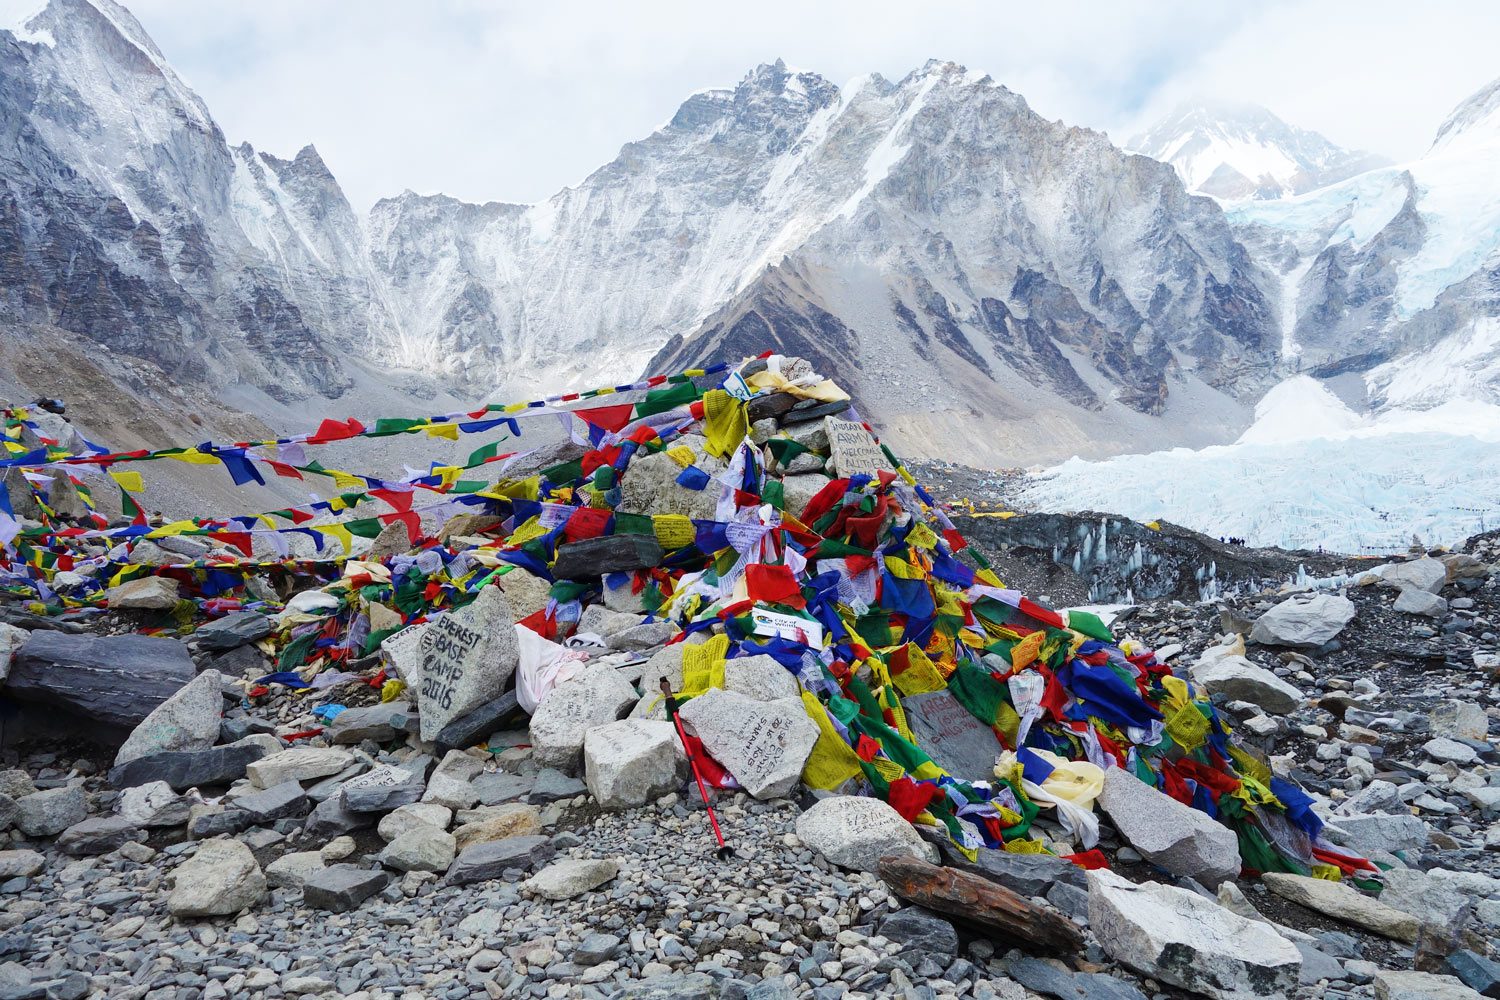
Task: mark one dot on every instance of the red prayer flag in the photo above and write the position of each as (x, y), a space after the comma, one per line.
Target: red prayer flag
(607, 418)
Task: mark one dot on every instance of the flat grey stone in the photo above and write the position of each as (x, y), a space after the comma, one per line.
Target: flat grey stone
(341, 888)
(492, 859)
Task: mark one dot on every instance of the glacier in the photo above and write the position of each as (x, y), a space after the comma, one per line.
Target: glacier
(1309, 472)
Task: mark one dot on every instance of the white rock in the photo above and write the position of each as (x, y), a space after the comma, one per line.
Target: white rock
(153, 804)
(760, 677)
(1424, 574)
(1444, 750)
(221, 879)
(188, 720)
(1459, 720)
(1179, 838)
(409, 817)
(595, 696)
(452, 780)
(1414, 601)
(297, 764)
(1223, 669)
(763, 744)
(1391, 985)
(1306, 624)
(632, 762)
(856, 832)
(11, 639)
(571, 877)
(290, 870)
(156, 593)
(421, 849)
(1182, 938)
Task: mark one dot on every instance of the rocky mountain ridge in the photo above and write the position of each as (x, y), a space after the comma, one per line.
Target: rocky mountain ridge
(1013, 288)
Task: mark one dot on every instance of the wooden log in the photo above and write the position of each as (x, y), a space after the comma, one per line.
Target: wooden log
(979, 902)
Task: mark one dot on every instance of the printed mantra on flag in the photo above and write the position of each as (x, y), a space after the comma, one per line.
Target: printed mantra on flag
(447, 645)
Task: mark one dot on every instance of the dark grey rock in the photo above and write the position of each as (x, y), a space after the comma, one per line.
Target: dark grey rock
(113, 679)
(1028, 874)
(1071, 900)
(801, 413)
(916, 929)
(183, 769)
(956, 741)
(386, 788)
(98, 835)
(236, 729)
(471, 729)
(277, 802)
(495, 787)
(331, 818)
(596, 948)
(341, 888)
(594, 557)
(380, 723)
(233, 631)
(242, 661)
(1477, 972)
(551, 784)
(672, 986)
(492, 859)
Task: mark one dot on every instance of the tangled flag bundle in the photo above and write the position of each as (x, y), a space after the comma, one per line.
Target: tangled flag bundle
(751, 513)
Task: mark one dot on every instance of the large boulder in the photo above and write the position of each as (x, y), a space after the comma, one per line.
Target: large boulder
(1223, 669)
(221, 879)
(764, 744)
(1421, 574)
(1178, 838)
(856, 832)
(468, 655)
(760, 677)
(149, 593)
(51, 811)
(1415, 601)
(633, 761)
(594, 697)
(232, 631)
(1181, 938)
(948, 733)
(182, 770)
(1342, 902)
(1303, 624)
(1459, 720)
(113, 679)
(188, 721)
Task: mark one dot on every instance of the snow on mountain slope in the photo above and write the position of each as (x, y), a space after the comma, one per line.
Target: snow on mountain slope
(1237, 152)
(1309, 472)
(1395, 274)
(934, 228)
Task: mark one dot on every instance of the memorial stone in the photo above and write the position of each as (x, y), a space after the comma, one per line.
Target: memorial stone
(467, 657)
(854, 449)
(956, 741)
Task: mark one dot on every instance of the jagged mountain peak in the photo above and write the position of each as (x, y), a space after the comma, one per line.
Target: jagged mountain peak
(1234, 151)
(1476, 119)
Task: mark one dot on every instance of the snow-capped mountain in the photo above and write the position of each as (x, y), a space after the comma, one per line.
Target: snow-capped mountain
(1393, 276)
(996, 279)
(1233, 152)
(993, 286)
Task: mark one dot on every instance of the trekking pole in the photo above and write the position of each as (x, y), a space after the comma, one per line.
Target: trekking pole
(725, 852)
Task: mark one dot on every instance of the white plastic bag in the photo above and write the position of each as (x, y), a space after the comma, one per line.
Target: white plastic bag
(543, 666)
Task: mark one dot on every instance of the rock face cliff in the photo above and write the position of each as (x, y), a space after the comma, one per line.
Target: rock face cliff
(992, 285)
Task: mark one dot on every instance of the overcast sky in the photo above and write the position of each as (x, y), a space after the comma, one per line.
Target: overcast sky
(511, 101)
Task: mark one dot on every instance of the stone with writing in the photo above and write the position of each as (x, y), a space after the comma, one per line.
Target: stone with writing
(632, 762)
(854, 449)
(956, 741)
(592, 698)
(763, 744)
(467, 656)
(402, 653)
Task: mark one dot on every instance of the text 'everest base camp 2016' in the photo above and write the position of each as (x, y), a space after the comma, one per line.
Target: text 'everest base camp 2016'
(738, 656)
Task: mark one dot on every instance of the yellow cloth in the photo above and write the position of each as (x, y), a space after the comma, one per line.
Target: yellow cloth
(724, 423)
(1024, 653)
(703, 666)
(1019, 846)
(673, 530)
(832, 761)
(449, 431)
(345, 537)
(682, 455)
(824, 392)
(130, 481)
(920, 676)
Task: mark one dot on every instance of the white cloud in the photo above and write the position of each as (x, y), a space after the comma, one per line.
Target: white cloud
(511, 101)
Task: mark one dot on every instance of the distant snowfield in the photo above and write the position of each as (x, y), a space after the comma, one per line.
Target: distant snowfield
(1308, 472)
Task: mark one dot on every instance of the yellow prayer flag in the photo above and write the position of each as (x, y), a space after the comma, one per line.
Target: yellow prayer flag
(832, 761)
(129, 480)
(449, 431)
(345, 481)
(673, 530)
(345, 537)
(195, 457)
